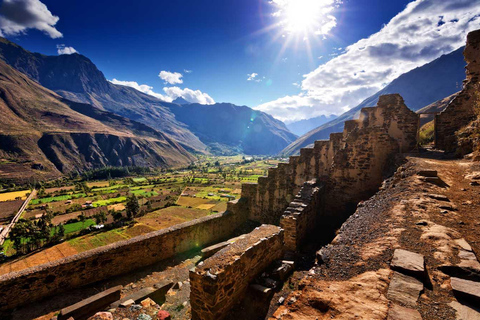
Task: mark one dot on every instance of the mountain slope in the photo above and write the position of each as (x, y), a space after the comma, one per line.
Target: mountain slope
(227, 128)
(419, 88)
(76, 78)
(43, 135)
(303, 126)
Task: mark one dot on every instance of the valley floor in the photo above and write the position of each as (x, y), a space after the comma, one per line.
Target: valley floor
(411, 212)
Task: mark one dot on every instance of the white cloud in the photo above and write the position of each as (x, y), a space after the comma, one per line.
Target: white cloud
(172, 93)
(171, 77)
(142, 88)
(17, 16)
(194, 96)
(61, 49)
(422, 32)
(252, 77)
(187, 71)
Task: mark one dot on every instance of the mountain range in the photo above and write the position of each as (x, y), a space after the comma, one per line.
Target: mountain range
(76, 78)
(419, 87)
(303, 126)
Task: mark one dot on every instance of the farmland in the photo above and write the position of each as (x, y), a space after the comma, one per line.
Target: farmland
(164, 199)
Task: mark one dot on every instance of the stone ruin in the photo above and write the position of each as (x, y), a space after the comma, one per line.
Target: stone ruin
(466, 106)
(313, 191)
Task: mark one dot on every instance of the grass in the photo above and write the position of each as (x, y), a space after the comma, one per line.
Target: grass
(102, 203)
(77, 226)
(137, 180)
(427, 133)
(144, 193)
(58, 198)
(8, 196)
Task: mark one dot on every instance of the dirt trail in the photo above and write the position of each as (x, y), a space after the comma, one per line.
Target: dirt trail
(423, 215)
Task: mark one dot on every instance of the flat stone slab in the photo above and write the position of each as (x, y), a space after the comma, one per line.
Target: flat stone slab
(88, 307)
(156, 293)
(466, 290)
(464, 312)
(428, 173)
(466, 269)
(438, 197)
(404, 289)
(462, 243)
(409, 263)
(397, 312)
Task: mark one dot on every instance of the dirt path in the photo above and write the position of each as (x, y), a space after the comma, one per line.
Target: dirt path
(410, 213)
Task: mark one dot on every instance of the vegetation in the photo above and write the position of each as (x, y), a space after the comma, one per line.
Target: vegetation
(427, 133)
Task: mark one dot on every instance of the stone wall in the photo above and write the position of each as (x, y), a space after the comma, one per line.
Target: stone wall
(465, 107)
(302, 215)
(32, 284)
(352, 159)
(221, 281)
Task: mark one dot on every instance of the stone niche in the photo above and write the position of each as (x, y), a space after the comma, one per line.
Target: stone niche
(221, 281)
(466, 105)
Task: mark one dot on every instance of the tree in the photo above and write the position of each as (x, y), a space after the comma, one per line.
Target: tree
(132, 207)
(100, 217)
(82, 218)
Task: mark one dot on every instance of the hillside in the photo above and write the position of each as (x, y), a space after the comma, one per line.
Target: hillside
(303, 126)
(419, 87)
(43, 135)
(76, 78)
(227, 128)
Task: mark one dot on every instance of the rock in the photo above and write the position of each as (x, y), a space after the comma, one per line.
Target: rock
(462, 243)
(260, 288)
(281, 300)
(135, 307)
(464, 312)
(127, 303)
(177, 285)
(102, 316)
(449, 207)
(474, 183)
(473, 176)
(270, 283)
(163, 315)
(282, 271)
(409, 263)
(147, 303)
(144, 316)
(466, 290)
(397, 312)
(428, 173)
(321, 256)
(438, 197)
(422, 223)
(466, 269)
(404, 289)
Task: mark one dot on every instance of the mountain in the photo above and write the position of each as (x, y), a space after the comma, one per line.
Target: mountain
(180, 101)
(76, 78)
(303, 126)
(229, 129)
(428, 112)
(419, 88)
(43, 135)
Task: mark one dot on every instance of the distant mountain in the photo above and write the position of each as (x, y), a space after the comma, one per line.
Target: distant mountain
(229, 129)
(43, 135)
(419, 88)
(428, 112)
(180, 101)
(76, 78)
(303, 126)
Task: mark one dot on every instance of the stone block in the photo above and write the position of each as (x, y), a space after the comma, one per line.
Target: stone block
(156, 293)
(404, 289)
(397, 312)
(88, 307)
(428, 173)
(409, 263)
(466, 290)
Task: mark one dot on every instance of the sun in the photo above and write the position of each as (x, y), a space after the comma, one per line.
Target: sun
(305, 17)
(300, 15)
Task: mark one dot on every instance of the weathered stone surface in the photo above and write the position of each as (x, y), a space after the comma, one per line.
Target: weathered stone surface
(404, 289)
(428, 173)
(220, 281)
(397, 312)
(409, 263)
(463, 244)
(467, 269)
(90, 306)
(282, 271)
(127, 303)
(163, 315)
(464, 312)
(439, 197)
(466, 290)
(154, 293)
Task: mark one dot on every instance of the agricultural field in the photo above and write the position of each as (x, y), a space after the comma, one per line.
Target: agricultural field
(164, 200)
(15, 195)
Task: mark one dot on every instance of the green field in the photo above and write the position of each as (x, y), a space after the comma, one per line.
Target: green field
(102, 203)
(58, 198)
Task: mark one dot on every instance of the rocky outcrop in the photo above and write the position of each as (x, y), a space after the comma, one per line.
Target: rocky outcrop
(466, 106)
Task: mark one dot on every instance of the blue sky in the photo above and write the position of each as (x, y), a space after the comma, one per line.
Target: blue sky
(223, 42)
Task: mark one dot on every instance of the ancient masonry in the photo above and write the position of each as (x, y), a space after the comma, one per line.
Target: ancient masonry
(466, 106)
(316, 188)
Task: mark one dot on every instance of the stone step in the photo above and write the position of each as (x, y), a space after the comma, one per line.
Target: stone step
(409, 263)
(88, 307)
(466, 290)
(404, 289)
(397, 312)
(156, 293)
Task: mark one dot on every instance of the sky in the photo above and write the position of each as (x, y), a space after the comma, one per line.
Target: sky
(294, 59)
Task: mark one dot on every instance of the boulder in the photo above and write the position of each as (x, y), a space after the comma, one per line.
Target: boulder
(464, 312)
(102, 316)
(163, 315)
